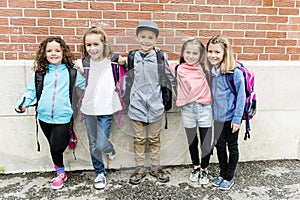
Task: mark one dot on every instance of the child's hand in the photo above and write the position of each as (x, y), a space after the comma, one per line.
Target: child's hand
(157, 49)
(122, 60)
(20, 110)
(235, 127)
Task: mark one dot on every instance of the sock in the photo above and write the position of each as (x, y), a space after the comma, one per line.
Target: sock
(59, 169)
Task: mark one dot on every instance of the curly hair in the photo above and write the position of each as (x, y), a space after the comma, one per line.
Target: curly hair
(41, 63)
(107, 52)
(203, 54)
(228, 62)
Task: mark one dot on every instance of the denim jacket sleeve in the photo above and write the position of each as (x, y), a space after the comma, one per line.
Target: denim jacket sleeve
(240, 96)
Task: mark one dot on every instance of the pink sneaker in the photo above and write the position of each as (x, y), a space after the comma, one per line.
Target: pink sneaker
(58, 182)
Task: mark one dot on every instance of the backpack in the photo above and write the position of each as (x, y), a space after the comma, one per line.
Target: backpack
(250, 103)
(39, 83)
(118, 73)
(165, 83)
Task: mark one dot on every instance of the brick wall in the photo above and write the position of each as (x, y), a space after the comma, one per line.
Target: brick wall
(259, 29)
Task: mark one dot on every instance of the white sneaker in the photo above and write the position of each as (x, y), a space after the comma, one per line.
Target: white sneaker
(111, 156)
(100, 181)
(195, 175)
(204, 180)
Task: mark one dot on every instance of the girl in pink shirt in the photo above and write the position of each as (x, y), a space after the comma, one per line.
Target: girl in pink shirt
(195, 100)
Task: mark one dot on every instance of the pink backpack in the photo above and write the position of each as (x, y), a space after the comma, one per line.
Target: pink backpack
(250, 103)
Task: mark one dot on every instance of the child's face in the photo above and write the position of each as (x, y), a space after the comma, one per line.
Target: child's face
(215, 54)
(147, 39)
(191, 54)
(94, 46)
(54, 53)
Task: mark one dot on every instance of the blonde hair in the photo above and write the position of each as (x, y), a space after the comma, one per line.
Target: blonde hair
(228, 62)
(107, 52)
(203, 54)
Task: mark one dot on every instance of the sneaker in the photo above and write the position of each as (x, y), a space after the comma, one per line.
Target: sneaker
(137, 175)
(204, 180)
(100, 181)
(58, 182)
(226, 185)
(217, 181)
(195, 175)
(159, 174)
(111, 156)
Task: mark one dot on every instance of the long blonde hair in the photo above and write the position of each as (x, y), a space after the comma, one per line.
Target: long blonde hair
(228, 62)
(107, 52)
(203, 54)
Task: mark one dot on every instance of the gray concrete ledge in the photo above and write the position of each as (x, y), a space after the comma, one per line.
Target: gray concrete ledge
(274, 135)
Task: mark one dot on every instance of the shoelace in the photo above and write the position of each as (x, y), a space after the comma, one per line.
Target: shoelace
(100, 177)
(60, 176)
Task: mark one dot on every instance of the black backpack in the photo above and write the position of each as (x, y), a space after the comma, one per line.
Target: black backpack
(165, 83)
(39, 83)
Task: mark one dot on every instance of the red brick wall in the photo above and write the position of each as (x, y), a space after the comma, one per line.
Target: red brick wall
(258, 29)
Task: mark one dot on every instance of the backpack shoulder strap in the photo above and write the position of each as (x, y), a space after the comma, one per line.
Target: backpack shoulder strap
(72, 76)
(39, 82)
(176, 68)
(115, 68)
(161, 66)
(230, 82)
(130, 60)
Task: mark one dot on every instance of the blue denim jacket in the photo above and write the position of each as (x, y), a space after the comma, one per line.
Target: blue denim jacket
(226, 105)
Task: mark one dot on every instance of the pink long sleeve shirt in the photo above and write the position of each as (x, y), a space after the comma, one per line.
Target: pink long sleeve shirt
(192, 85)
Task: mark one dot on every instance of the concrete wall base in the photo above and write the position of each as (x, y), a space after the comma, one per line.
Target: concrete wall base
(274, 134)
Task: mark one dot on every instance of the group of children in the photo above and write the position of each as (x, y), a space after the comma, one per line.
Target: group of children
(202, 94)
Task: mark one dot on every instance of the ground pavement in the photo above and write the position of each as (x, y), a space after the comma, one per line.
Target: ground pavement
(261, 180)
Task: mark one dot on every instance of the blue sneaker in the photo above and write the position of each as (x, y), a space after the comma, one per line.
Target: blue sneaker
(100, 181)
(217, 181)
(226, 185)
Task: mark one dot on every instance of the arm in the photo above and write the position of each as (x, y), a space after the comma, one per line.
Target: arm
(29, 95)
(240, 99)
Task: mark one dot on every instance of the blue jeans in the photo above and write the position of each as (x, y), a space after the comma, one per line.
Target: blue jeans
(98, 130)
(225, 138)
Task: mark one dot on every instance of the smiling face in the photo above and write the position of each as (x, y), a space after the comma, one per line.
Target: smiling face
(54, 53)
(215, 54)
(94, 46)
(191, 54)
(147, 39)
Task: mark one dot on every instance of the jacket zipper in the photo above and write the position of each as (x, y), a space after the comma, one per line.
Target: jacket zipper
(53, 96)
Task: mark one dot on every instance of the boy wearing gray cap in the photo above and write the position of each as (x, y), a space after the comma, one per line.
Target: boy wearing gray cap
(146, 106)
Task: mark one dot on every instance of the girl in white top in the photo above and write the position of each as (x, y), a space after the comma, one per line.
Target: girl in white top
(100, 99)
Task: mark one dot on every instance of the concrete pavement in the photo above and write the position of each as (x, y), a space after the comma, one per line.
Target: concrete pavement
(261, 180)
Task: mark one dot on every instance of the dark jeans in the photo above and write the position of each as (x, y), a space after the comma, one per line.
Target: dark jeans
(58, 138)
(206, 146)
(225, 137)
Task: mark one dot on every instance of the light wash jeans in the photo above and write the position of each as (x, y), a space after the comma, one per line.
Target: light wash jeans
(98, 130)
